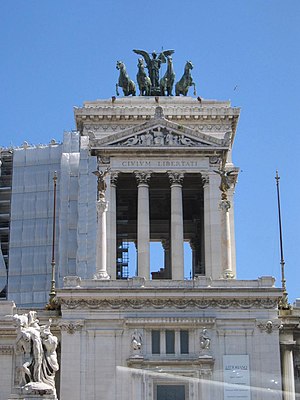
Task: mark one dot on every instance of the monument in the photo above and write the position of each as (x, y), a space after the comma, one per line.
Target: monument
(138, 171)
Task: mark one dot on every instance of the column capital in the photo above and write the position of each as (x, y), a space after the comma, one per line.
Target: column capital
(175, 177)
(205, 180)
(114, 177)
(102, 206)
(225, 205)
(142, 177)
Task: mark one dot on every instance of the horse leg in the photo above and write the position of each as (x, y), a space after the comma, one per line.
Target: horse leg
(117, 90)
(195, 94)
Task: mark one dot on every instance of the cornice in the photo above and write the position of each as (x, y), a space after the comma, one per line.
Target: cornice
(139, 109)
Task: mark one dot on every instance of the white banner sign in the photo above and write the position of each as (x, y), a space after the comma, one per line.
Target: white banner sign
(236, 377)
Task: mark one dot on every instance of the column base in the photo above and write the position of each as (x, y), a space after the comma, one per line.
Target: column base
(228, 274)
(102, 276)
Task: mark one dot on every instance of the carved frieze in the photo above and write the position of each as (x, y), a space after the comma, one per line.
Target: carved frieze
(161, 303)
(160, 137)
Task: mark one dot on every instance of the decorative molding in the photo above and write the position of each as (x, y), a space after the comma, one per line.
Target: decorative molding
(71, 326)
(269, 326)
(162, 321)
(177, 303)
(213, 160)
(6, 349)
(95, 128)
(72, 281)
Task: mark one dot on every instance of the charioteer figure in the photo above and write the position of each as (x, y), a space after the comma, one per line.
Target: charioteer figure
(153, 65)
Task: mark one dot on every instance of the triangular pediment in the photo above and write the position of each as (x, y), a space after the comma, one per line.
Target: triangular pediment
(158, 133)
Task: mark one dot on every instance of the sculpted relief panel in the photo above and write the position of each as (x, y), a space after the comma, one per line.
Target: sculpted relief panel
(160, 137)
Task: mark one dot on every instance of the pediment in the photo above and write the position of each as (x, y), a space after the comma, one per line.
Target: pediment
(158, 133)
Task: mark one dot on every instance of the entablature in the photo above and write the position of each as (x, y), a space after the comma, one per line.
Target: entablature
(112, 115)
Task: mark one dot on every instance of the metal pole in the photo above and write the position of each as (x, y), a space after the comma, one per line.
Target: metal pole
(284, 301)
(53, 291)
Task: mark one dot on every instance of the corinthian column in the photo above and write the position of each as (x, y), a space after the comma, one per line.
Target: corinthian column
(177, 255)
(143, 225)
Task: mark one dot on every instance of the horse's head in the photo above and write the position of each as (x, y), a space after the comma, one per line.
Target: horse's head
(120, 65)
(140, 62)
(189, 65)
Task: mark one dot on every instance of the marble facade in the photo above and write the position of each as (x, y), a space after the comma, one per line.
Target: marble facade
(153, 334)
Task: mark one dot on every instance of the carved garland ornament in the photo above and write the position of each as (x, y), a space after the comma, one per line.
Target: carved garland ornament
(169, 303)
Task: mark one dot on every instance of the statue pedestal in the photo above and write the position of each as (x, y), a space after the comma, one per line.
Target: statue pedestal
(23, 396)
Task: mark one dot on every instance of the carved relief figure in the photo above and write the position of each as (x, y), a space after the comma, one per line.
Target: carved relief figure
(204, 340)
(158, 137)
(37, 346)
(136, 340)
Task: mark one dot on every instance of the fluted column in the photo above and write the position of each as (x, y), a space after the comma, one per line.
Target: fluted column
(177, 254)
(143, 224)
(288, 371)
(113, 223)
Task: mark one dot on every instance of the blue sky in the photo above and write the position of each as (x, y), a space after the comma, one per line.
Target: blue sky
(57, 54)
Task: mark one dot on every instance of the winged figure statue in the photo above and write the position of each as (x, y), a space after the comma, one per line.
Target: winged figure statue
(153, 65)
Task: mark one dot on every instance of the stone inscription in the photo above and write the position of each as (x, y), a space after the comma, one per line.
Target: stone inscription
(159, 163)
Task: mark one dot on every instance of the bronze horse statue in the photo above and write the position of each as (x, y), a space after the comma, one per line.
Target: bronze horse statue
(124, 82)
(186, 81)
(167, 81)
(143, 80)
